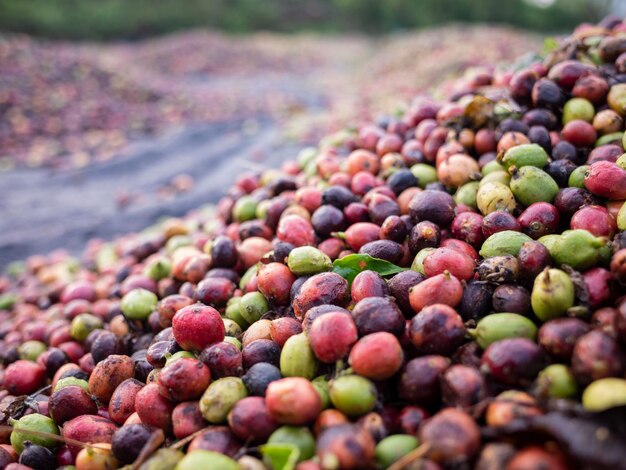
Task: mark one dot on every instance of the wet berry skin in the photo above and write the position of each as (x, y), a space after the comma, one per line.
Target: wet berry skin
(514, 361)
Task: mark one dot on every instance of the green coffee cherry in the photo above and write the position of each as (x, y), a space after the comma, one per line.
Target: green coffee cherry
(320, 384)
(248, 275)
(220, 397)
(576, 248)
(578, 108)
(577, 177)
(621, 162)
(33, 422)
(247, 462)
(244, 209)
(557, 381)
(524, 155)
(7, 300)
(301, 437)
(206, 459)
(176, 242)
(393, 448)
(553, 294)
(83, 324)
(297, 358)
(424, 173)
(612, 138)
(501, 176)
(231, 327)
(549, 241)
(252, 306)
(67, 381)
(466, 194)
(31, 350)
(495, 197)
(499, 326)
(158, 268)
(353, 395)
(507, 242)
(491, 167)
(530, 184)
(262, 208)
(163, 459)
(305, 260)
(138, 304)
(305, 156)
(418, 262)
(179, 355)
(234, 341)
(621, 218)
(603, 394)
(233, 313)
(106, 258)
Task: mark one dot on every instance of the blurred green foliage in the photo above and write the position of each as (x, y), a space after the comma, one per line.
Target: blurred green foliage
(109, 19)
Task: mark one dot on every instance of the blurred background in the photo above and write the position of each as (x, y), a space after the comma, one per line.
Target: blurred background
(132, 19)
(114, 113)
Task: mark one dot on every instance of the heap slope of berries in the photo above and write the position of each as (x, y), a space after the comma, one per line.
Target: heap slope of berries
(439, 290)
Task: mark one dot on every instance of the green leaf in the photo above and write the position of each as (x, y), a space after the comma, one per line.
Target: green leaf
(349, 266)
(7, 301)
(281, 456)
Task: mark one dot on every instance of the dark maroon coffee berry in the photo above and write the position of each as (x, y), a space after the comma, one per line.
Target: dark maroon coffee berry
(259, 376)
(424, 235)
(215, 291)
(539, 135)
(437, 329)
(129, 440)
(338, 196)
(37, 457)
(384, 249)
(511, 298)
(224, 359)
(410, 419)
(223, 252)
(399, 286)
(499, 221)
(476, 300)
(107, 344)
(595, 356)
(539, 219)
(260, 350)
(374, 314)
(400, 180)
(419, 380)
(568, 200)
(533, 257)
(434, 206)
(514, 361)
(394, 229)
(558, 337)
(462, 386)
(560, 171)
(327, 219)
(547, 94)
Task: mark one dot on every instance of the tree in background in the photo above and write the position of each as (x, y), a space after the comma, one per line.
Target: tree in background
(112, 19)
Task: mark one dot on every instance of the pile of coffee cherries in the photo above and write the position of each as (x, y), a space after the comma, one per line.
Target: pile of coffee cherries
(443, 289)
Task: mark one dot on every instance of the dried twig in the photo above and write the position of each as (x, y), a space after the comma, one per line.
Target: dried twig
(183, 442)
(54, 437)
(155, 441)
(411, 457)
